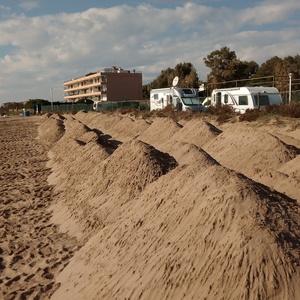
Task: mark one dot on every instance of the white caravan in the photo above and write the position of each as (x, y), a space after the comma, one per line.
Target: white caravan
(242, 98)
(180, 98)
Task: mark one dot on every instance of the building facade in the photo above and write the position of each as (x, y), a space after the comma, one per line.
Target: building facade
(108, 84)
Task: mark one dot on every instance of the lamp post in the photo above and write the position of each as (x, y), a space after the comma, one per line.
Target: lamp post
(290, 87)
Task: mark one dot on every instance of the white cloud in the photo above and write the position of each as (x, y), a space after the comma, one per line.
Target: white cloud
(29, 5)
(4, 8)
(269, 11)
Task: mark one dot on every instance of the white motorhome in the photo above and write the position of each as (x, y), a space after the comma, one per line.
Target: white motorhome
(242, 98)
(182, 99)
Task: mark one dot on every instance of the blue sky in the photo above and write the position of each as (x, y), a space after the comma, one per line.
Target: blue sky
(43, 43)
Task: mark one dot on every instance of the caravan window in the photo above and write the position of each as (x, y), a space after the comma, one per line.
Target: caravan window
(187, 91)
(226, 98)
(191, 101)
(218, 98)
(243, 100)
(178, 104)
(262, 100)
(155, 96)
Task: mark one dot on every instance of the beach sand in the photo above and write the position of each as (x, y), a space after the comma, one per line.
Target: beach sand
(110, 206)
(32, 249)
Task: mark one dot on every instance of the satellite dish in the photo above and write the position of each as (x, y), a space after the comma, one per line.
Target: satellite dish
(175, 81)
(201, 87)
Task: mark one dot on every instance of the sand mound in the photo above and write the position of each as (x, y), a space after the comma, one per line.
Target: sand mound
(108, 181)
(259, 154)
(121, 127)
(185, 144)
(186, 153)
(250, 150)
(140, 163)
(96, 120)
(197, 231)
(197, 131)
(51, 130)
(160, 131)
(292, 167)
(280, 181)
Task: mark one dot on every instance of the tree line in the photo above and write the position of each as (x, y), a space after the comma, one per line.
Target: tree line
(227, 70)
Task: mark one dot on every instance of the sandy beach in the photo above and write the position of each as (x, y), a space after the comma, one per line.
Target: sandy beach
(32, 250)
(111, 206)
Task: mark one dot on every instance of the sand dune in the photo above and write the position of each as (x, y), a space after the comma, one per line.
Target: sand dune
(161, 209)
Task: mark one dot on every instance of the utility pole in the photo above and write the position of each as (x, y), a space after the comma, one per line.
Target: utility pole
(51, 90)
(290, 87)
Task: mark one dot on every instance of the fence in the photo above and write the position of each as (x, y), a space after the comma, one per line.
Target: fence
(101, 106)
(67, 107)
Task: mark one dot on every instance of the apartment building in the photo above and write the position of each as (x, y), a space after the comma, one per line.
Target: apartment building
(108, 84)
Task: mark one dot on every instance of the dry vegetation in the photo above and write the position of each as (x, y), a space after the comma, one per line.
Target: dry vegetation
(222, 114)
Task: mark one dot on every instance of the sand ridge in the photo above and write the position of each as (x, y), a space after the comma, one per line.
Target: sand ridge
(181, 234)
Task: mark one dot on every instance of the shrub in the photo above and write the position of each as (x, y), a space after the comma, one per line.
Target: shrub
(292, 110)
(223, 112)
(273, 109)
(251, 115)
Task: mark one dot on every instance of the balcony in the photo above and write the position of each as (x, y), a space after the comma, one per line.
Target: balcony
(82, 95)
(77, 88)
(81, 79)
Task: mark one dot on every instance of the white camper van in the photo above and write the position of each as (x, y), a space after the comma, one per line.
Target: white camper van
(242, 98)
(180, 98)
